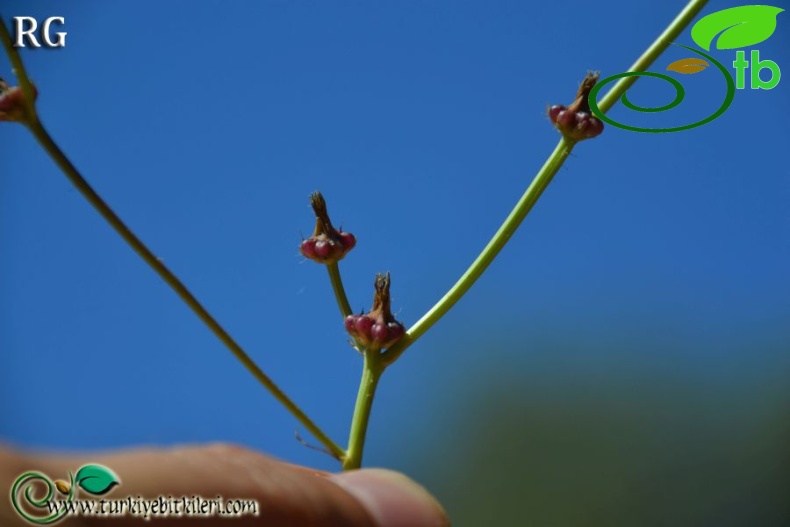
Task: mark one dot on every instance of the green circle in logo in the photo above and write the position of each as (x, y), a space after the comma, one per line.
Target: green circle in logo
(679, 95)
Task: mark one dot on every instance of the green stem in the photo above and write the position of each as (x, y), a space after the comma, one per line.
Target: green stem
(536, 188)
(172, 280)
(673, 30)
(371, 373)
(511, 223)
(481, 263)
(337, 287)
(71, 172)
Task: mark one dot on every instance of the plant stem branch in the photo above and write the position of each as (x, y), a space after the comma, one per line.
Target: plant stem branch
(372, 369)
(536, 188)
(481, 263)
(339, 290)
(172, 280)
(673, 30)
(37, 128)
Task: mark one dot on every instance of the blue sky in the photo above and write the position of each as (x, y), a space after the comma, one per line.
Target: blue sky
(207, 125)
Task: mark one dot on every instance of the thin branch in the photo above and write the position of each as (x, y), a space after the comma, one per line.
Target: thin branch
(71, 172)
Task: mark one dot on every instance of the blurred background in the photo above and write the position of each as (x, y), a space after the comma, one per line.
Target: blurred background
(623, 362)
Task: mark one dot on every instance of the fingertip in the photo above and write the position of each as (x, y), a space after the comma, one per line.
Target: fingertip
(392, 499)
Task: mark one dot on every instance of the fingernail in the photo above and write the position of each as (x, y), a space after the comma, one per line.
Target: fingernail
(392, 499)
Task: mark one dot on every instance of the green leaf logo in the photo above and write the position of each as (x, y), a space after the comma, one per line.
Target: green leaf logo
(739, 27)
(96, 479)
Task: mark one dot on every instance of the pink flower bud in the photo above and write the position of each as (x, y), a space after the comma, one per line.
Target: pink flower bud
(12, 103)
(576, 122)
(327, 245)
(378, 328)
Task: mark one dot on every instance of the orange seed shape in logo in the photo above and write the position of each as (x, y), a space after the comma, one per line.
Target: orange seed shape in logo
(688, 66)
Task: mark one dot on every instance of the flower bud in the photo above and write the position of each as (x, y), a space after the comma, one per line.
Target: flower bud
(327, 244)
(376, 329)
(12, 103)
(576, 121)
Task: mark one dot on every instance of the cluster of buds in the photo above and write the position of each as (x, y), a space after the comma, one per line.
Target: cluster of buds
(576, 121)
(376, 329)
(327, 244)
(12, 103)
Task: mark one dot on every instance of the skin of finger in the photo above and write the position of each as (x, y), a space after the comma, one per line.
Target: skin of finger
(287, 494)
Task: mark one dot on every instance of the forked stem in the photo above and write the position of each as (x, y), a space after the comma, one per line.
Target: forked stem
(374, 363)
(511, 223)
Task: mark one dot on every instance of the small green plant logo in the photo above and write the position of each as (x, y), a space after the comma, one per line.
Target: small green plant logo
(737, 27)
(93, 479)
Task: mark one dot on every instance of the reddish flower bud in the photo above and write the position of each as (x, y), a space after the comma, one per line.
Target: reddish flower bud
(327, 244)
(379, 332)
(554, 112)
(12, 103)
(576, 121)
(363, 325)
(307, 248)
(396, 330)
(348, 239)
(322, 249)
(378, 328)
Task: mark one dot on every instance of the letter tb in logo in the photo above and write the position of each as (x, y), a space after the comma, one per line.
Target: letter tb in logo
(756, 82)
